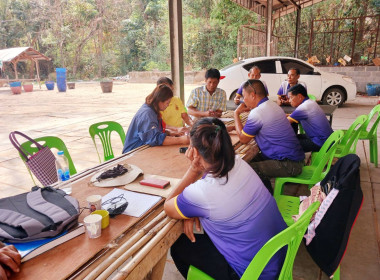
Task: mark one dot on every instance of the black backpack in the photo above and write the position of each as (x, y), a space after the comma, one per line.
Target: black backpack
(331, 236)
(43, 212)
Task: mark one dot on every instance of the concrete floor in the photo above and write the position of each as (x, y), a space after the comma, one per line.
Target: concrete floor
(69, 115)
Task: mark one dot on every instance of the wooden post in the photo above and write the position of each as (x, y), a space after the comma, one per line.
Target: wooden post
(296, 41)
(269, 26)
(38, 72)
(176, 46)
(311, 36)
(15, 69)
(239, 41)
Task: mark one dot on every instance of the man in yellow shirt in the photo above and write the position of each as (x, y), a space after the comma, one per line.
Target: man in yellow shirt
(175, 115)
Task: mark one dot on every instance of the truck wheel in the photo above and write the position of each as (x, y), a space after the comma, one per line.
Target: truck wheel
(334, 97)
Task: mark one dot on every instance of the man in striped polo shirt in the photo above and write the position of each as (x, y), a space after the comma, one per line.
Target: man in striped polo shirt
(207, 100)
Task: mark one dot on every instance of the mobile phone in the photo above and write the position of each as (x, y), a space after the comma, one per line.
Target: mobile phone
(183, 149)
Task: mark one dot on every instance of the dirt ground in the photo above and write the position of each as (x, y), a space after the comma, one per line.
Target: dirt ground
(67, 115)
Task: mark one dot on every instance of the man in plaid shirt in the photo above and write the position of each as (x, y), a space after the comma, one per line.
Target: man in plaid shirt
(207, 100)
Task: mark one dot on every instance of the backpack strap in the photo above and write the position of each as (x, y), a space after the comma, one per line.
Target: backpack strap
(17, 220)
(38, 203)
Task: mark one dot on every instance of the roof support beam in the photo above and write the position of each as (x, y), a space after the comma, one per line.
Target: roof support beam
(176, 46)
(291, 8)
(295, 4)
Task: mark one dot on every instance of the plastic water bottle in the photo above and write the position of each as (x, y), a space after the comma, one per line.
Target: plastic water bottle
(63, 171)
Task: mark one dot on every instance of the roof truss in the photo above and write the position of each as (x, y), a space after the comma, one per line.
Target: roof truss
(280, 7)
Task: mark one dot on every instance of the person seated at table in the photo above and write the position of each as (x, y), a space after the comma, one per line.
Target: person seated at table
(282, 94)
(10, 261)
(176, 114)
(281, 153)
(147, 126)
(311, 117)
(207, 100)
(253, 74)
(231, 203)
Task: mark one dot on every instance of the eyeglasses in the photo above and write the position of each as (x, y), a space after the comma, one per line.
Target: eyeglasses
(115, 205)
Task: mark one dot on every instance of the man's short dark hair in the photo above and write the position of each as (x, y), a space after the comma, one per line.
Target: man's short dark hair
(296, 69)
(253, 68)
(298, 89)
(255, 86)
(212, 73)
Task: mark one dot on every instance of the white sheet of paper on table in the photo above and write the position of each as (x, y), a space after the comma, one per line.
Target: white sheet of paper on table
(138, 203)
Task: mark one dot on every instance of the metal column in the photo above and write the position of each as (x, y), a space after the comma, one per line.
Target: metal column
(269, 27)
(176, 46)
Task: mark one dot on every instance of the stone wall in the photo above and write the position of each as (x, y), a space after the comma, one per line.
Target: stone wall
(362, 75)
(191, 77)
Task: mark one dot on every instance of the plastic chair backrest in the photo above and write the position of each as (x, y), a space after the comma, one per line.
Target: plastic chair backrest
(324, 157)
(103, 130)
(312, 97)
(373, 130)
(351, 136)
(291, 237)
(53, 143)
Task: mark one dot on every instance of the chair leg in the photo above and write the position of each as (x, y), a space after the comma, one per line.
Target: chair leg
(375, 151)
(371, 150)
(336, 275)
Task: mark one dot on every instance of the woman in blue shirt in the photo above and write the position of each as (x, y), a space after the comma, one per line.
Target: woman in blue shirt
(235, 209)
(147, 126)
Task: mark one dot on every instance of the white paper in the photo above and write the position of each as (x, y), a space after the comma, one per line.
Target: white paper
(226, 119)
(138, 203)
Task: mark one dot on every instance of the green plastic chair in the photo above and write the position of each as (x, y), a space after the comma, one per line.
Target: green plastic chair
(351, 136)
(103, 130)
(53, 143)
(291, 237)
(310, 175)
(371, 135)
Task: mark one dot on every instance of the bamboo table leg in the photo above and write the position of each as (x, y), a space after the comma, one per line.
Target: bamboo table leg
(158, 269)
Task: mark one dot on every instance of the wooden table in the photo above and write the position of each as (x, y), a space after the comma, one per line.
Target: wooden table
(80, 256)
(145, 241)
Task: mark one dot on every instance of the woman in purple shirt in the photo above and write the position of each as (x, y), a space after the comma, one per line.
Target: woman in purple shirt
(236, 211)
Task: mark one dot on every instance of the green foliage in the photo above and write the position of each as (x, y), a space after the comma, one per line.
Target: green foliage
(97, 38)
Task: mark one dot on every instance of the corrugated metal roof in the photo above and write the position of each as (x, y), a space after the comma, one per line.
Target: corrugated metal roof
(21, 54)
